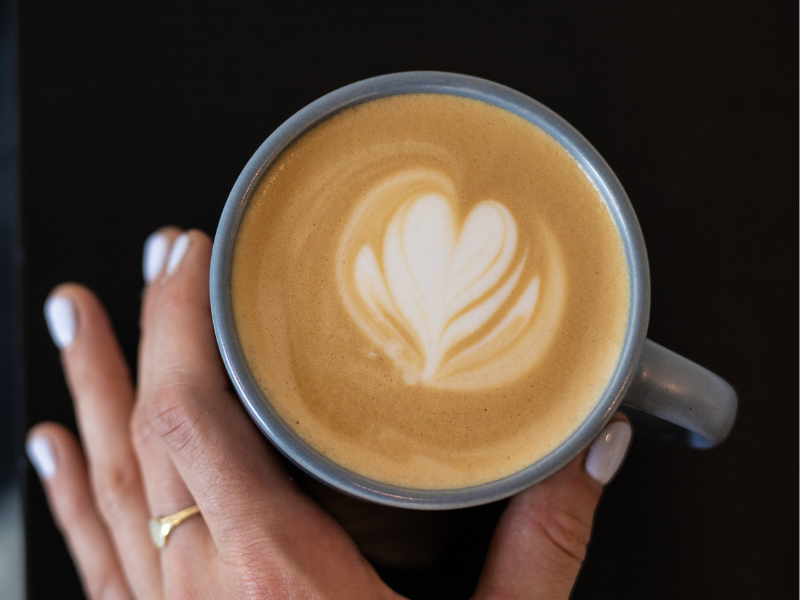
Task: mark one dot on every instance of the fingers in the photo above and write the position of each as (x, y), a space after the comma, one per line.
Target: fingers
(540, 541)
(165, 490)
(154, 261)
(102, 393)
(210, 439)
(178, 303)
(58, 459)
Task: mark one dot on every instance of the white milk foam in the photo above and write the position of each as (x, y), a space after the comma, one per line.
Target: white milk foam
(445, 301)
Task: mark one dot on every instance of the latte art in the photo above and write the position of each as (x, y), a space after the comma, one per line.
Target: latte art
(429, 291)
(447, 303)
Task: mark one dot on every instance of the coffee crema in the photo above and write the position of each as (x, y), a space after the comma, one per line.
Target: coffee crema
(430, 291)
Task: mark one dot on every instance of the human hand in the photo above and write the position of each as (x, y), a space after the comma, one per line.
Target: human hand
(181, 438)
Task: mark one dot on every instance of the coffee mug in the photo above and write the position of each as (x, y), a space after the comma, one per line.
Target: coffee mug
(666, 395)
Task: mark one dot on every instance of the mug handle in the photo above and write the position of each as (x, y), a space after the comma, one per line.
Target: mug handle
(671, 398)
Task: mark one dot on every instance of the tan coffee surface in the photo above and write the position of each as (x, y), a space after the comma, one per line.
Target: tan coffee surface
(430, 291)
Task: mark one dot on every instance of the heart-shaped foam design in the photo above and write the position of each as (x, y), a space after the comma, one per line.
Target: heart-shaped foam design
(444, 302)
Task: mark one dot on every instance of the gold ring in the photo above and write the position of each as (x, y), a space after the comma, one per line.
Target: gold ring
(161, 527)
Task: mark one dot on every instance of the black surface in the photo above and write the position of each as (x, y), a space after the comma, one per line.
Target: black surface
(136, 116)
(12, 465)
(10, 253)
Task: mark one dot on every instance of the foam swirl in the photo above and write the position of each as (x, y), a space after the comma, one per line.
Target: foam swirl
(455, 305)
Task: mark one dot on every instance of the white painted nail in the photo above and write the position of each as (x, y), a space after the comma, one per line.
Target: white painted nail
(607, 451)
(179, 249)
(40, 453)
(60, 316)
(155, 253)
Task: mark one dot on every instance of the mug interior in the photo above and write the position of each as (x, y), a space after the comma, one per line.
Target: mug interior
(253, 398)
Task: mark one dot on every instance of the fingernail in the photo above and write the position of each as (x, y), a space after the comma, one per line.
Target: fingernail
(40, 453)
(155, 253)
(607, 451)
(179, 249)
(60, 316)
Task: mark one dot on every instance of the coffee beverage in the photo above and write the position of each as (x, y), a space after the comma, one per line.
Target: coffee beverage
(430, 291)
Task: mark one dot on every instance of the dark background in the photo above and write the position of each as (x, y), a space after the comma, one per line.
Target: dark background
(133, 116)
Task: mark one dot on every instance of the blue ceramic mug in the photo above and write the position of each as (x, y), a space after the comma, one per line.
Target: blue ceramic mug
(668, 396)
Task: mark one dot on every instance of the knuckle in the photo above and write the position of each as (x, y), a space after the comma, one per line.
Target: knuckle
(114, 484)
(141, 429)
(567, 534)
(171, 416)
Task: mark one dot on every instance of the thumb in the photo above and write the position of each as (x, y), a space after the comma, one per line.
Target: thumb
(540, 541)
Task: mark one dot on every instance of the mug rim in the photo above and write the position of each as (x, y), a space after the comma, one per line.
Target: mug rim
(283, 437)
